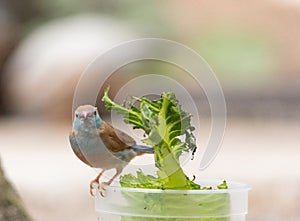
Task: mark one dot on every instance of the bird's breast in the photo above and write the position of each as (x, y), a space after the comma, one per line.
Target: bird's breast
(96, 153)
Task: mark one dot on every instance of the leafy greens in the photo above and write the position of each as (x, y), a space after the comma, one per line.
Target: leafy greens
(165, 124)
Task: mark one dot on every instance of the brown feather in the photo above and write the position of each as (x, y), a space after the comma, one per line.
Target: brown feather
(114, 139)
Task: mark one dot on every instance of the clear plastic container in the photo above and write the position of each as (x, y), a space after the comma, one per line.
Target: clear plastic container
(133, 204)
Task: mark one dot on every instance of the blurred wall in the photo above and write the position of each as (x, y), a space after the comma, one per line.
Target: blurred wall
(253, 48)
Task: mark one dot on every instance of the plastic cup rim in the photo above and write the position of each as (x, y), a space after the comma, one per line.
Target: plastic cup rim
(233, 187)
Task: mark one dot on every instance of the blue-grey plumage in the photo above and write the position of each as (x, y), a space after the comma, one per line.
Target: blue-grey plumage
(99, 145)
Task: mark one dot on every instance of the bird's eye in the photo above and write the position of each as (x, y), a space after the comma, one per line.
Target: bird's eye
(76, 115)
(95, 113)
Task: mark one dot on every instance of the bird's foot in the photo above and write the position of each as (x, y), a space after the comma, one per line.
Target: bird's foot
(102, 189)
(94, 185)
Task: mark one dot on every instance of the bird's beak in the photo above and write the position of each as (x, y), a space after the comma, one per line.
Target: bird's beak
(84, 114)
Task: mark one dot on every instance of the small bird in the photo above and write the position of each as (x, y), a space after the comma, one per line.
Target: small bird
(100, 145)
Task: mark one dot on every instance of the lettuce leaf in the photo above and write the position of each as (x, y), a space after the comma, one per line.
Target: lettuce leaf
(164, 123)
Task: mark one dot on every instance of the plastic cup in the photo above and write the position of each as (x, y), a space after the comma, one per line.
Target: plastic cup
(135, 204)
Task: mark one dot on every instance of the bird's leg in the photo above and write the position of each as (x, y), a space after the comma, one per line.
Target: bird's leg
(103, 184)
(95, 182)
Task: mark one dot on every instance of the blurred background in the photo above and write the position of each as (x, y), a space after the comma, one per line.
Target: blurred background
(252, 46)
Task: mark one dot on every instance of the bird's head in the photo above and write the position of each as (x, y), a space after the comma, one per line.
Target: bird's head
(86, 116)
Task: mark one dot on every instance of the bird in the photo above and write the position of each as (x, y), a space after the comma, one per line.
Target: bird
(99, 145)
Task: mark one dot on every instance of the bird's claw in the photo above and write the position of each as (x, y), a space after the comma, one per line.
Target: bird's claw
(102, 189)
(94, 185)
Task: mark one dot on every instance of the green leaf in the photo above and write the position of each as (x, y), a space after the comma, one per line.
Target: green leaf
(168, 130)
(223, 185)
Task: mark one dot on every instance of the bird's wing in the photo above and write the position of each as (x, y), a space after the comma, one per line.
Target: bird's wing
(76, 148)
(114, 139)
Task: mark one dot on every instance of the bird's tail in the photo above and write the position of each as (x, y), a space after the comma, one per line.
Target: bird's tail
(140, 149)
